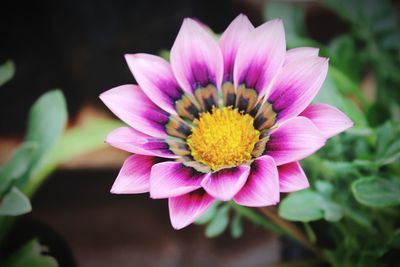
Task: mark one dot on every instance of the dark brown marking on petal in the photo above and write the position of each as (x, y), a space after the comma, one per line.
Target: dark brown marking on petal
(260, 146)
(229, 94)
(185, 158)
(159, 160)
(207, 97)
(197, 166)
(255, 109)
(177, 127)
(178, 146)
(265, 118)
(246, 98)
(187, 107)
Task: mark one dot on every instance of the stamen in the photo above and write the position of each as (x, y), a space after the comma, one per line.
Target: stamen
(224, 137)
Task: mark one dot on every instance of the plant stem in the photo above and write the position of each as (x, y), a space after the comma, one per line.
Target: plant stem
(291, 230)
(310, 233)
(257, 218)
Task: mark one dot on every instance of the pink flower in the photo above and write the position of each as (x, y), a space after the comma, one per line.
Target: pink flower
(226, 119)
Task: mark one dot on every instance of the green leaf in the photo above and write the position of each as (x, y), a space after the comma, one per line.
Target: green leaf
(293, 19)
(324, 187)
(387, 144)
(346, 85)
(395, 239)
(30, 255)
(332, 211)
(236, 226)
(165, 54)
(307, 206)
(17, 165)
(87, 137)
(391, 155)
(7, 71)
(384, 137)
(14, 203)
(342, 53)
(359, 216)
(303, 206)
(257, 218)
(331, 94)
(377, 192)
(75, 141)
(46, 123)
(219, 223)
(208, 215)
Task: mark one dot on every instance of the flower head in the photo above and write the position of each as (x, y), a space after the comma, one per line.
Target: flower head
(226, 119)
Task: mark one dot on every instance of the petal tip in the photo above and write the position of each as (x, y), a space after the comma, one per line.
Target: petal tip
(102, 96)
(130, 59)
(242, 16)
(106, 96)
(178, 225)
(190, 21)
(114, 189)
(126, 56)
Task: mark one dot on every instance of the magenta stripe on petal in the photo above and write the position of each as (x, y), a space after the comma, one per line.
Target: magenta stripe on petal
(154, 75)
(230, 41)
(292, 177)
(170, 179)
(132, 106)
(300, 53)
(297, 85)
(196, 58)
(294, 140)
(262, 185)
(134, 175)
(185, 209)
(328, 119)
(226, 183)
(260, 56)
(130, 140)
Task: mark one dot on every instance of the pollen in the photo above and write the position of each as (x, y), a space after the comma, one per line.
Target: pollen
(223, 137)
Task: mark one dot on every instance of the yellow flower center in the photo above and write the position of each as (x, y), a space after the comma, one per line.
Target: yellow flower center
(224, 137)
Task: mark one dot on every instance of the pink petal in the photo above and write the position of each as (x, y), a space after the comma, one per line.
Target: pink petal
(230, 41)
(130, 140)
(294, 140)
(300, 53)
(297, 85)
(262, 185)
(260, 56)
(155, 77)
(196, 58)
(132, 106)
(170, 179)
(226, 183)
(134, 175)
(185, 209)
(328, 119)
(292, 177)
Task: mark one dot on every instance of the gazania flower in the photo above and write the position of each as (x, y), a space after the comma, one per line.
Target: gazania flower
(226, 119)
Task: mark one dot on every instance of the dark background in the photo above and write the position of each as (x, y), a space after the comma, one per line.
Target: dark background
(78, 46)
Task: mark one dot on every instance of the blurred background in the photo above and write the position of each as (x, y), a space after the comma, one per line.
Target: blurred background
(79, 47)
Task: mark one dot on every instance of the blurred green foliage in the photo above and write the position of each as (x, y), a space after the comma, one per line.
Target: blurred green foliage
(46, 146)
(7, 71)
(30, 255)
